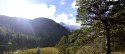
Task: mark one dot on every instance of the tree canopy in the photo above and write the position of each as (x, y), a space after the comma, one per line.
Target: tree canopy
(113, 10)
(109, 13)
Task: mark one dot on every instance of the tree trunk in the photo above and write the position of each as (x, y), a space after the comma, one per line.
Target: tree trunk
(107, 31)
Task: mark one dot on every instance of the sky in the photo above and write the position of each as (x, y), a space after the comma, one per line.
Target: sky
(57, 10)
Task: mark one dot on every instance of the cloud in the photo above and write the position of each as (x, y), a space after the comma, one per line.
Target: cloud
(73, 4)
(65, 19)
(62, 2)
(21, 8)
(71, 15)
(69, 23)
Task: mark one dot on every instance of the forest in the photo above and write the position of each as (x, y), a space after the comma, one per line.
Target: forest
(102, 31)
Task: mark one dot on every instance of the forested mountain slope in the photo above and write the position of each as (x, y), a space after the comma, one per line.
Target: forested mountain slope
(25, 33)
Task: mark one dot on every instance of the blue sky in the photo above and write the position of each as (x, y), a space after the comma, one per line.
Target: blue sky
(57, 10)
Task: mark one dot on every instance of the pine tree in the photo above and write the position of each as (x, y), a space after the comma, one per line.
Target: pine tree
(107, 11)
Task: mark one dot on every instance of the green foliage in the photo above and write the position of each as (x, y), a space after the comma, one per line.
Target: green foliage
(62, 45)
(91, 40)
(73, 50)
(115, 18)
(88, 50)
(81, 37)
(62, 41)
(77, 39)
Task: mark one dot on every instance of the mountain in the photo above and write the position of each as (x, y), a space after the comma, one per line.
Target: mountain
(24, 33)
(48, 27)
(70, 27)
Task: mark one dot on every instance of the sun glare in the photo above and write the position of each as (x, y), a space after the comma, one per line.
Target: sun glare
(26, 9)
(14, 7)
(18, 8)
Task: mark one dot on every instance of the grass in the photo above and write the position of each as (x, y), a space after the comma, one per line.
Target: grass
(53, 50)
(93, 50)
(118, 52)
(47, 50)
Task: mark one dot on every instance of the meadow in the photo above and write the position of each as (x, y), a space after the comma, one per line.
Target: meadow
(47, 50)
(53, 50)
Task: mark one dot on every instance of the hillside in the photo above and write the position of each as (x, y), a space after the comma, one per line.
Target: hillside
(25, 33)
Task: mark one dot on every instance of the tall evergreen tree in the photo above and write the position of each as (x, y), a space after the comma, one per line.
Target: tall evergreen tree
(107, 11)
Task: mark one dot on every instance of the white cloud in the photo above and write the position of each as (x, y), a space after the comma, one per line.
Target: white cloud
(21, 8)
(62, 2)
(73, 5)
(65, 19)
(71, 15)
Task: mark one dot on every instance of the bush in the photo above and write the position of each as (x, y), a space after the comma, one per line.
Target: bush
(73, 50)
(87, 50)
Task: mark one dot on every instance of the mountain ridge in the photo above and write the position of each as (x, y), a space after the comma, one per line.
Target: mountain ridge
(30, 33)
